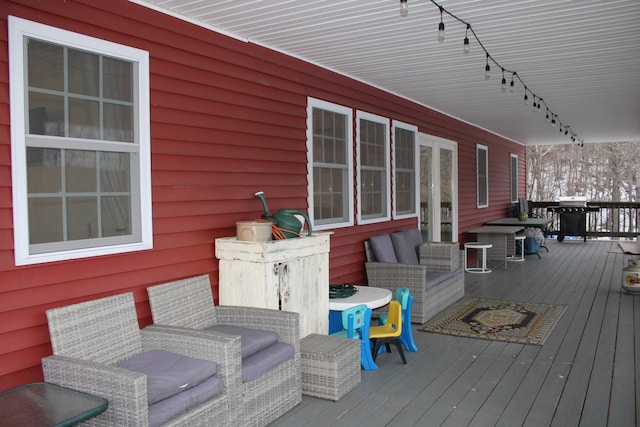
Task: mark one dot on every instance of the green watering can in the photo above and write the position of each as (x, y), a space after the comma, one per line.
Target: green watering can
(285, 219)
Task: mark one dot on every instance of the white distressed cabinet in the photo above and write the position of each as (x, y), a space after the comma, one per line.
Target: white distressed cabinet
(290, 275)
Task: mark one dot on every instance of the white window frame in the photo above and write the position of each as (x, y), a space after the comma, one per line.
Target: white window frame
(513, 169)
(386, 216)
(348, 196)
(416, 164)
(479, 175)
(19, 29)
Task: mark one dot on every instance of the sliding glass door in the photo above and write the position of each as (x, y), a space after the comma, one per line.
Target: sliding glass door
(438, 189)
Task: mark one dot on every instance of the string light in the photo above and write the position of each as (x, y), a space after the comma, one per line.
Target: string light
(487, 69)
(466, 40)
(441, 27)
(537, 100)
(404, 8)
(504, 82)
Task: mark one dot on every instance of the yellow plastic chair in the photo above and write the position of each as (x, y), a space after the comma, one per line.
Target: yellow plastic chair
(406, 303)
(389, 333)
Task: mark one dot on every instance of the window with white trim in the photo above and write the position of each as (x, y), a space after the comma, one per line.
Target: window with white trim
(374, 178)
(330, 151)
(80, 145)
(482, 175)
(513, 159)
(405, 166)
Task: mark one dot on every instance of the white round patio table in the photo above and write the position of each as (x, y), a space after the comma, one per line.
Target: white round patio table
(369, 295)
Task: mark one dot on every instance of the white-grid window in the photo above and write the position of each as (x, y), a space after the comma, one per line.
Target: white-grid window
(374, 176)
(513, 159)
(405, 167)
(482, 175)
(330, 151)
(80, 145)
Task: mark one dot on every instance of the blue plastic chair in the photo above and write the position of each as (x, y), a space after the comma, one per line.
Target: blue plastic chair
(406, 302)
(353, 320)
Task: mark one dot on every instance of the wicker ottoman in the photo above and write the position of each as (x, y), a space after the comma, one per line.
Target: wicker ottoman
(330, 365)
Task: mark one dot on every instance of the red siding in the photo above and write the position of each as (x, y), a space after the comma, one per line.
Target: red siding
(228, 119)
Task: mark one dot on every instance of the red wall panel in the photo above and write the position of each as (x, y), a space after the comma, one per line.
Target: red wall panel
(228, 118)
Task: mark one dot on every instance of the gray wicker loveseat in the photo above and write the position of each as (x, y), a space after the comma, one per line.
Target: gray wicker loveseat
(431, 271)
(262, 393)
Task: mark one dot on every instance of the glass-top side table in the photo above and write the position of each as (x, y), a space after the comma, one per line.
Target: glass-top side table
(46, 404)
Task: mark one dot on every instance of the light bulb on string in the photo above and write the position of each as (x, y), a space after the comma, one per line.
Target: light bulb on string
(404, 8)
(512, 85)
(504, 82)
(465, 49)
(487, 69)
(553, 120)
(548, 117)
(535, 104)
(526, 97)
(441, 27)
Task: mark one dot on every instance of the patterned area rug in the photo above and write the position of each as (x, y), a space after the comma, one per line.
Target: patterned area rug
(525, 323)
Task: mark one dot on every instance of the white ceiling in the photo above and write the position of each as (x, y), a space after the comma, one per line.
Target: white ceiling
(581, 56)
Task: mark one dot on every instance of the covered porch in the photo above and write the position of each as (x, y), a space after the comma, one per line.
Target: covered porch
(586, 373)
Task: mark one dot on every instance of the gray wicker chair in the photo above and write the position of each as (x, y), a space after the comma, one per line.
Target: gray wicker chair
(90, 338)
(434, 258)
(188, 303)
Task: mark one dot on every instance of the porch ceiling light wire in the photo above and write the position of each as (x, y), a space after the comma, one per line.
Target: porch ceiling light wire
(514, 75)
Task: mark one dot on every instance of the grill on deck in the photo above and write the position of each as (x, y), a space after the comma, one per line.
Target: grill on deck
(573, 216)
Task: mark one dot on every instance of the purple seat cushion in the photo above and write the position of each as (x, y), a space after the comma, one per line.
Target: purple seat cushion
(162, 411)
(382, 248)
(257, 365)
(251, 340)
(434, 278)
(405, 244)
(169, 373)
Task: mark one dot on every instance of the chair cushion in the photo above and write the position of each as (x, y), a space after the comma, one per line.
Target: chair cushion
(405, 245)
(382, 248)
(257, 365)
(162, 411)
(251, 340)
(169, 373)
(434, 278)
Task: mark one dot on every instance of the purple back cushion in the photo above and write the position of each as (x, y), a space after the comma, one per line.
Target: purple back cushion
(169, 373)
(382, 248)
(405, 244)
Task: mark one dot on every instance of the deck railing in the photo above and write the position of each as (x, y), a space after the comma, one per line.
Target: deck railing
(613, 220)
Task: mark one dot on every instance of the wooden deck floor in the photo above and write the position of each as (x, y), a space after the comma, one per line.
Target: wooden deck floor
(586, 374)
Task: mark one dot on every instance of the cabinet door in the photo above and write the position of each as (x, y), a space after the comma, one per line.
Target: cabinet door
(304, 289)
(249, 284)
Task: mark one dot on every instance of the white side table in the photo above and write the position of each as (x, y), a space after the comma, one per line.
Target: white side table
(479, 246)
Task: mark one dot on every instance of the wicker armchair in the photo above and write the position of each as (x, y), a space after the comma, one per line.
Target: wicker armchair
(439, 263)
(188, 303)
(89, 339)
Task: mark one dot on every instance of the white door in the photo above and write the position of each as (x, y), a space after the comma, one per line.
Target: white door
(438, 189)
